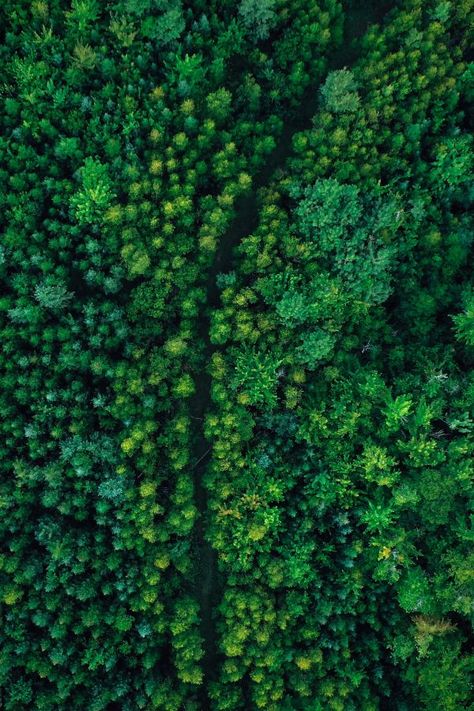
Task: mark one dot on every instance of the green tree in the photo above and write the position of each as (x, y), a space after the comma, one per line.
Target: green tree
(464, 322)
(256, 376)
(52, 295)
(339, 92)
(258, 17)
(95, 194)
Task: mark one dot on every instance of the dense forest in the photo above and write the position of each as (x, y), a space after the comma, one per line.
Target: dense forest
(237, 328)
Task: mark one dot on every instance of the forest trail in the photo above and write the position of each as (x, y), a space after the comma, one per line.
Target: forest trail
(359, 15)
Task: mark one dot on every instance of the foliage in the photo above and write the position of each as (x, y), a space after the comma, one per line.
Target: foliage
(237, 393)
(256, 373)
(339, 92)
(257, 17)
(95, 195)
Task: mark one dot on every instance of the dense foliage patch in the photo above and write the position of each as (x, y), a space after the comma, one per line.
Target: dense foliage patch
(236, 478)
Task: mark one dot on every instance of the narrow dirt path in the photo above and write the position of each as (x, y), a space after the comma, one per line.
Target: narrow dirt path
(360, 14)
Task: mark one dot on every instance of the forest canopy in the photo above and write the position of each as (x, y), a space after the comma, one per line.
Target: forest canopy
(237, 327)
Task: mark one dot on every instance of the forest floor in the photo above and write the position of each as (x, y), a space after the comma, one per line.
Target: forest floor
(360, 14)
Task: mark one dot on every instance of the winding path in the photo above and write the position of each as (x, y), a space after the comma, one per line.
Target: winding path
(360, 14)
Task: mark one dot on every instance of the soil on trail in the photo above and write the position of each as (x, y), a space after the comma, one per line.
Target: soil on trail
(359, 15)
